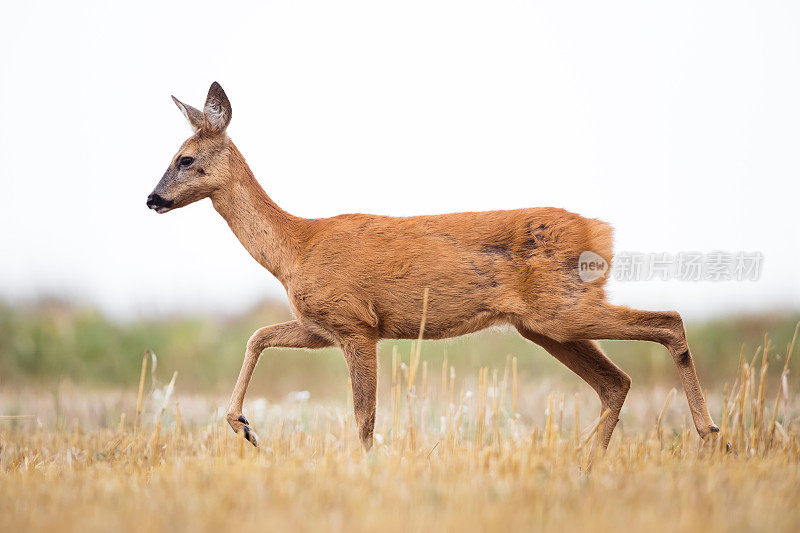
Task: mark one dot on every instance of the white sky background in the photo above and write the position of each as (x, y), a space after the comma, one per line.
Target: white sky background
(677, 123)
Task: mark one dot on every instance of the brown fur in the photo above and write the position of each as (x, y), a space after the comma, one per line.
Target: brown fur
(354, 279)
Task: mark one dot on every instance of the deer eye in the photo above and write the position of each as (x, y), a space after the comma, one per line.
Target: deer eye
(186, 161)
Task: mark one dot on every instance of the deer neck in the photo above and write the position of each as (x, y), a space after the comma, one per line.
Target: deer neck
(264, 229)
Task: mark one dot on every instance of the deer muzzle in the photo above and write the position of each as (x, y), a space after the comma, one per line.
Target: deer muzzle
(159, 203)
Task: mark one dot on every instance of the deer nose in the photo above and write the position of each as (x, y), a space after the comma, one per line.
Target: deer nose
(154, 201)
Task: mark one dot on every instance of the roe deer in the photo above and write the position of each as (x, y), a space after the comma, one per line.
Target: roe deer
(355, 279)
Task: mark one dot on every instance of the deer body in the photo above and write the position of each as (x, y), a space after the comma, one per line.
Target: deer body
(355, 279)
(482, 268)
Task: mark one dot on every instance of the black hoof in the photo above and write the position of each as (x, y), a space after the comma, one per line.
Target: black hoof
(249, 434)
(714, 429)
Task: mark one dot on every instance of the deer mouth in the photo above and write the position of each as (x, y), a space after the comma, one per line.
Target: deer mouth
(159, 204)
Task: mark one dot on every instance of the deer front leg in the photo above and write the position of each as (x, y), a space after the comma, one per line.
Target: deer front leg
(362, 362)
(290, 334)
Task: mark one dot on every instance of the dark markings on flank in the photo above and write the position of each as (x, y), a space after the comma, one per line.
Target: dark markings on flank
(568, 266)
(485, 277)
(571, 264)
(497, 250)
(539, 231)
(537, 238)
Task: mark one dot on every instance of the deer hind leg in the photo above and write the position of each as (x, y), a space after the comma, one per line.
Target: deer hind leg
(587, 360)
(285, 335)
(362, 362)
(664, 327)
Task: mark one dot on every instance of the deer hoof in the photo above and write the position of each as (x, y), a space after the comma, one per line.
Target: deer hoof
(250, 435)
(367, 444)
(711, 430)
(240, 423)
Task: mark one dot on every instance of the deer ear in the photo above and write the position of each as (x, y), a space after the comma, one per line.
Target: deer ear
(217, 110)
(194, 116)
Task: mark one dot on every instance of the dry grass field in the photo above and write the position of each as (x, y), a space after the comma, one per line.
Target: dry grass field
(453, 453)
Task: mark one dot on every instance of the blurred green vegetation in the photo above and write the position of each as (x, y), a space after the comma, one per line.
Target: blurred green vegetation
(48, 342)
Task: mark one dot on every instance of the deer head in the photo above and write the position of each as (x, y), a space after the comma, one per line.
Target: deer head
(201, 164)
